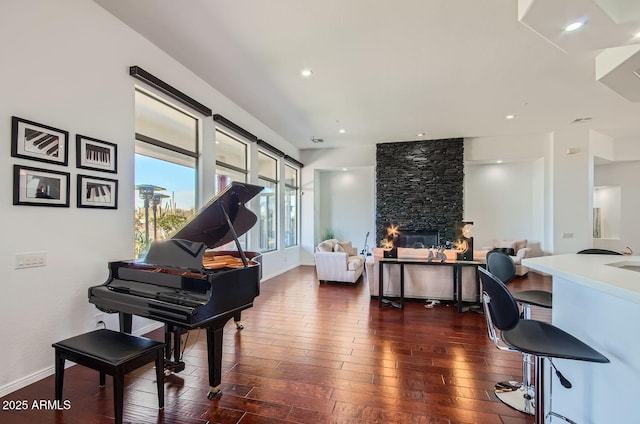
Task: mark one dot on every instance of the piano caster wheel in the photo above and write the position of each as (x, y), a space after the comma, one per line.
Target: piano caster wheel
(239, 325)
(214, 394)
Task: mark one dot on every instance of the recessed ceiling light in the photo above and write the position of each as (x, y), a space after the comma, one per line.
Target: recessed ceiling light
(344, 169)
(342, 131)
(306, 72)
(420, 134)
(498, 161)
(511, 116)
(573, 26)
(636, 35)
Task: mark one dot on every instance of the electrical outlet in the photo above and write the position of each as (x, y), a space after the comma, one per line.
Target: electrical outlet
(100, 320)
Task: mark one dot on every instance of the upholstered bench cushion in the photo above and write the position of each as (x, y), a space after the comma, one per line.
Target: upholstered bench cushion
(109, 346)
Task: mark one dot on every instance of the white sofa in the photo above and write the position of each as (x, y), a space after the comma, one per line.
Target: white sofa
(520, 252)
(420, 281)
(338, 261)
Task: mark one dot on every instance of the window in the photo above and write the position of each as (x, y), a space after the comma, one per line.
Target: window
(268, 217)
(290, 206)
(231, 160)
(231, 165)
(165, 169)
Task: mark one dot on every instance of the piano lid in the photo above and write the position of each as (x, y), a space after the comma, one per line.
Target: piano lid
(210, 226)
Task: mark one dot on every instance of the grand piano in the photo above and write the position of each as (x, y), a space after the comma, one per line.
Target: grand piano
(183, 284)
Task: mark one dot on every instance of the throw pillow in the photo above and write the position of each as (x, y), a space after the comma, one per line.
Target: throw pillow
(507, 250)
(345, 246)
(325, 246)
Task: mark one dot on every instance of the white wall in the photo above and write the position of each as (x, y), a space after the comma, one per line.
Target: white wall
(68, 68)
(508, 199)
(505, 148)
(321, 160)
(608, 199)
(573, 168)
(503, 201)
(624, 175)
(347, 204)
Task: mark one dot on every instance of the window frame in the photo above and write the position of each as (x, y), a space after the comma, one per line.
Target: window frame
(229, 166)
(166, 152)
(296, 189)
(276, 193)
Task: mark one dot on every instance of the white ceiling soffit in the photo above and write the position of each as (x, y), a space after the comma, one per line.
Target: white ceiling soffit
(619, 69)
(609, 25)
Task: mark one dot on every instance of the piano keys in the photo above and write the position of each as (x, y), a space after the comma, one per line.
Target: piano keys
(41, 142)
(96, 192)
(97, 155)
(35, 141)
(184, 284)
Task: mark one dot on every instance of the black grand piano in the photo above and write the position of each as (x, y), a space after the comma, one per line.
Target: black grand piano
(186, 286)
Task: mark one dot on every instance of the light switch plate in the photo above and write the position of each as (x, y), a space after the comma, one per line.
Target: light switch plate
(31, 260)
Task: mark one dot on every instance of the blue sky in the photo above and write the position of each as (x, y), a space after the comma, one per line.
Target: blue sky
(178, 180)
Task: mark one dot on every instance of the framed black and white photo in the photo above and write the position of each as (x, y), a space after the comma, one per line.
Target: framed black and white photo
(96, 192)
(40, 187)
(96, 154)
(43, 143)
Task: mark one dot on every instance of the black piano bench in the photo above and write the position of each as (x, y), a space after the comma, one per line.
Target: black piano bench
(113, 353)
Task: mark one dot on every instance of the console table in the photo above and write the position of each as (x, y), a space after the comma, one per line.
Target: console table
(456, 267)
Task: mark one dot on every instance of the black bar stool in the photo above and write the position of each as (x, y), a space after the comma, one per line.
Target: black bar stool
(112, 353)
(539, 339)
(518, 395)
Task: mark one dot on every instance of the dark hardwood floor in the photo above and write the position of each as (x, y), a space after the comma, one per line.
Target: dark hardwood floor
(314, 353)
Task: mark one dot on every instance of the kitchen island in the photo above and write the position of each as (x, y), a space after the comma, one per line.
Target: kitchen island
(597, 299)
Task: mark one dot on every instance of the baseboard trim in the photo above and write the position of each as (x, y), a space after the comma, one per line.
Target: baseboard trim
(25, 381)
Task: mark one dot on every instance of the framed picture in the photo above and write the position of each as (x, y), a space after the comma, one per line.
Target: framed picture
(96, 154)
(96, 192)
(40, 187)
(43, 143)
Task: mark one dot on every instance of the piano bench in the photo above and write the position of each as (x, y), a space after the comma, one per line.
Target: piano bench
(113, 353)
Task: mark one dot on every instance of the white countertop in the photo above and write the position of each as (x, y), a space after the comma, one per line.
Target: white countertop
(594, 271)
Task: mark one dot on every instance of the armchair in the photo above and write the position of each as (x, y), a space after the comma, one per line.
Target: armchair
(338, 261)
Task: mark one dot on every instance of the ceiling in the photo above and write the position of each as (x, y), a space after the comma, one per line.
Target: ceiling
(388, 70)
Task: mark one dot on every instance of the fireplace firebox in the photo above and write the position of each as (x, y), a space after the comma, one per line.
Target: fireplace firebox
(418, 238)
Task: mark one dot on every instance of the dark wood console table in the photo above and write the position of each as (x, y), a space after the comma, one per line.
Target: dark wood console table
(456, 267)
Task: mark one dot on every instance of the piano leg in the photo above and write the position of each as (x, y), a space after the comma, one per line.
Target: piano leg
(214, 348)
(237, 319)
(173, 333)
(125, 322)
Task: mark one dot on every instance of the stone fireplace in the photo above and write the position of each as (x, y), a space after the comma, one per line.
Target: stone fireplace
(419, 187)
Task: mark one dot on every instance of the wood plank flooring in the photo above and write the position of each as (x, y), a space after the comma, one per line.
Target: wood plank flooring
(314, 353)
